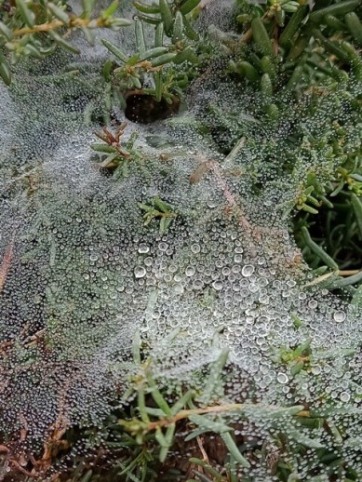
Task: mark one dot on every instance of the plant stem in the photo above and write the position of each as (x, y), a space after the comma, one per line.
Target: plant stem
(183, 414)
(73, 23)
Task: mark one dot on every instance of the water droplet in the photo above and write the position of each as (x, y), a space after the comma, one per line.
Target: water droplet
(143, 248)
(345, 397)
(217, 285)
(190, 271)
(339, 316)
(247, 270)
(162, 246)
(264, 299)
(282, 378)
(198, 284)
(179, 289)
(195, 248)
(148, 261)
(139, 272)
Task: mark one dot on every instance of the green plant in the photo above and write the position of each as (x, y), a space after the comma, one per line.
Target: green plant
(156, 208)
(165, 69)
(37, 28)
(117, 156)
(287, 55)
(159, 420)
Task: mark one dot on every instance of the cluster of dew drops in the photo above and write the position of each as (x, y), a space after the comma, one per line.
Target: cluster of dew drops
(190, 294)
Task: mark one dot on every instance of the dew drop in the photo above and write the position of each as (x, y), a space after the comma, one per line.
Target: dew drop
(190, 271)
(195, 248)
(282, 378)
(143, 248)
(217, 285)
(339, 316)
(139, 272)
(148, 261)
(162, 246)
(179, 289)
(345, 397)
(247, 270)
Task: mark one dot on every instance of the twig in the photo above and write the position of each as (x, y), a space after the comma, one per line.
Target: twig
(215, 168)
(348, 272)
(183, 414)
(205, 457)
(6, 262)
(73, 23)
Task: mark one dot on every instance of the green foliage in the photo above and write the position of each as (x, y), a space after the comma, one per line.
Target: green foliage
(156, 208)
(165, 68)
(287, 55)
(144, 438)
(284, 43)
(36, 28)
(116, 157)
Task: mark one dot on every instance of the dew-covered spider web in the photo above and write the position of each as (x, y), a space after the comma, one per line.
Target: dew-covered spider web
(82, 276)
